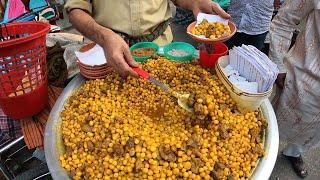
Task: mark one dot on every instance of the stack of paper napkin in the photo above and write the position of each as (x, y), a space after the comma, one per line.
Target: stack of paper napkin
(250, 69)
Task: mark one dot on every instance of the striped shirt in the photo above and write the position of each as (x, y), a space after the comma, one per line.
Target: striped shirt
(252, 17)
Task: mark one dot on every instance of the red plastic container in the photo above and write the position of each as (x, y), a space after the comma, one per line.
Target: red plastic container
(23, 69)
(209, 60)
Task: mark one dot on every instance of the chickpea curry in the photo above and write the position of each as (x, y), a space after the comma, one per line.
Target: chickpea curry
(214, 30)
(142, 52)
(115, 129)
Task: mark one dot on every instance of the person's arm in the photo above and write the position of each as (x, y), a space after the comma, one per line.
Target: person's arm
(206, 6)
(116, 50)
(281, 31)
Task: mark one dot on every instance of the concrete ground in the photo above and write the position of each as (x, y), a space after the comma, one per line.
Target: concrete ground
(283, 170)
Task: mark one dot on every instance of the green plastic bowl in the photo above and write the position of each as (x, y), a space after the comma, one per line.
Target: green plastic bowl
(179, 46)
(144, 45)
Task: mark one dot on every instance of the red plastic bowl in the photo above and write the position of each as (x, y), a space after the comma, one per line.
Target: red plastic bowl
(209, 60)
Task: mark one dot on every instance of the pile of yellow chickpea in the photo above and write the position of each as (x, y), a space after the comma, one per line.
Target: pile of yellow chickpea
(131, 129)
(214, 30)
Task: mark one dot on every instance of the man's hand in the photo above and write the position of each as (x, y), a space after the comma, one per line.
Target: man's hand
(118, 54)
(117, 51)
(205, 6)
(209, 7)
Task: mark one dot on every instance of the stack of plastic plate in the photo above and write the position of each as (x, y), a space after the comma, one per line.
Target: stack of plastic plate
(92, 62)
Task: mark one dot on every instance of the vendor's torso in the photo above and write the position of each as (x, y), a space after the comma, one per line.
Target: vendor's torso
(132, 17)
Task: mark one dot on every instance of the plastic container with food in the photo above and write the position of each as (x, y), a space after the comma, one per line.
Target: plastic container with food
(245, 101)
(143, 51)
(211, 28)
(179, 51)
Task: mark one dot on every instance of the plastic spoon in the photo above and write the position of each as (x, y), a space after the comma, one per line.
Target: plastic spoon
(182, 98)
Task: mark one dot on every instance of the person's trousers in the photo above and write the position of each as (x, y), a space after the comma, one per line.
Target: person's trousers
(242, 38)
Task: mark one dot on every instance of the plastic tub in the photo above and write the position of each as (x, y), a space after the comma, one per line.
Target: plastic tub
(53, 144)
(181, 46)
(245, 101)
(144, 45)
(209, 60)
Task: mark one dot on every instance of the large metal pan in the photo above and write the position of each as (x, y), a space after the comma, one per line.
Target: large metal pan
(53, 144)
